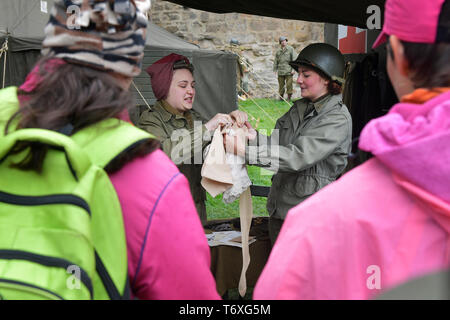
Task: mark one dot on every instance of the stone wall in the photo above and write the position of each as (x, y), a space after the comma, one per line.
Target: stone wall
(257, 35)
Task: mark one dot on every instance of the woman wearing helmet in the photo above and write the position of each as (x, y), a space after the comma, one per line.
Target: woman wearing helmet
(309, 146)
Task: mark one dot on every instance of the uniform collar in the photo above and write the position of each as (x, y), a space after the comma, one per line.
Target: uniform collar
(167, 111)
(171, 109)
(320, 103)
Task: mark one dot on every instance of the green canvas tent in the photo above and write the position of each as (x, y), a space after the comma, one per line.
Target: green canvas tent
(22, 25)
(214, 72)
(21, 32)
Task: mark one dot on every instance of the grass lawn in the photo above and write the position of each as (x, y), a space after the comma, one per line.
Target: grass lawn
(267, 111)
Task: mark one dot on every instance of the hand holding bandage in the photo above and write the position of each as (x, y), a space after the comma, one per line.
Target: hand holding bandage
(219, 120)
(239, 117)
(234, 141)
(224, 169)
(227, 173)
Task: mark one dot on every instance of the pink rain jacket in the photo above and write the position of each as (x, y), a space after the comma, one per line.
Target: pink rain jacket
(168, 254)
(379, 225)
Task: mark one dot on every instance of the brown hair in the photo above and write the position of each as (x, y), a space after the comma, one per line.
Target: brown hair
(70, 94)
(428, 64)
(334, 88)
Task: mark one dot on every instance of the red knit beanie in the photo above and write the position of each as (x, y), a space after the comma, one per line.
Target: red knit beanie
(161, 73)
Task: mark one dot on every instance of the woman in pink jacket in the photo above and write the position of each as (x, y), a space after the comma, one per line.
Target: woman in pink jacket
(168, 254)
(388, 220)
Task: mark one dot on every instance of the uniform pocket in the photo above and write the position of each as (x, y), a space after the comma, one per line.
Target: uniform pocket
(306, 185)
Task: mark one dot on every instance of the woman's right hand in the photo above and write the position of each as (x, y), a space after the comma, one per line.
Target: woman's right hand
(240, 117)
(219, 119)
(236, 146)
(251, 134)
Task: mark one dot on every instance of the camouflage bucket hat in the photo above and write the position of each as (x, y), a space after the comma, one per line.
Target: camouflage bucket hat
(102, 34)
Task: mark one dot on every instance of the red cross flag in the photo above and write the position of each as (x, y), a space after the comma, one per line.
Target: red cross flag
(352, 40)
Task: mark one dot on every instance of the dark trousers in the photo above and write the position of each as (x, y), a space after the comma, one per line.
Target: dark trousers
(274, 228)
(285, 82)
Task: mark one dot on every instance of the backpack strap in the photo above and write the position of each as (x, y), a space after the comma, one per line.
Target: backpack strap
(104, 141)
(77, 160)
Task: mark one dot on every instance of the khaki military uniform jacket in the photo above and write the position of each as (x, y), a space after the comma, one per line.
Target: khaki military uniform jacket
(183, 138)
(282, 58)
(314, 142)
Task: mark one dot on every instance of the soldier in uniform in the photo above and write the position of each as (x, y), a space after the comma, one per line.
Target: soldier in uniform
(281, 67)
(242, 68)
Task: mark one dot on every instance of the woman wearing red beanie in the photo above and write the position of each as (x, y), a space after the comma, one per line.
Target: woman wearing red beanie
(182, 131)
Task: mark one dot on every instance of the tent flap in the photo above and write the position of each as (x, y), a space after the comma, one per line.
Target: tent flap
(215, 77)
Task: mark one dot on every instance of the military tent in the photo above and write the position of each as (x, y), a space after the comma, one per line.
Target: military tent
(22, 25)
(214, 72)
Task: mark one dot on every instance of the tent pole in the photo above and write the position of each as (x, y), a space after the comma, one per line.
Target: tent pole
(4, 49)
(150, 108)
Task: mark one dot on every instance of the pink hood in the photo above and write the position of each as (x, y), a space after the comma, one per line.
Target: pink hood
(413, 141)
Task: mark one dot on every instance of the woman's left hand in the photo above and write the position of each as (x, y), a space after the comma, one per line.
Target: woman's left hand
(219, 119)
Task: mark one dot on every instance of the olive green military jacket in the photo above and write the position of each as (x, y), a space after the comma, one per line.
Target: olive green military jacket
(282, 59)
(183, 138)
(308, 150)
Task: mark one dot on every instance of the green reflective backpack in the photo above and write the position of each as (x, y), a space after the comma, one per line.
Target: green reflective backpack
(61, 231)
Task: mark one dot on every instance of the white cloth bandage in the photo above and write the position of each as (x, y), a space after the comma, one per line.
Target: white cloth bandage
(239, 174)
(227, 173)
